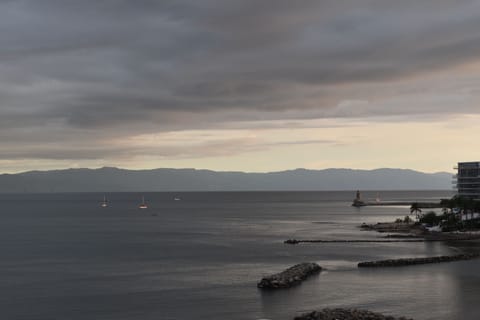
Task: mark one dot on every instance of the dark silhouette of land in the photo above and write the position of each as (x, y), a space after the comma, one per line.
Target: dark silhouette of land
(117, 180)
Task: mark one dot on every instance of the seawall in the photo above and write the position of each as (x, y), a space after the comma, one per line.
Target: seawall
(414, 261)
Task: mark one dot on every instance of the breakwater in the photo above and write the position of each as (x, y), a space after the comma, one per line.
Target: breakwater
(295, 241)
(427, 237)
(421, 205)
(414, 261)
(345, 314)
(290, 277)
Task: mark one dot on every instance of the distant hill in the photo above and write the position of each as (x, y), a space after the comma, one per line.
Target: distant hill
(114, 179)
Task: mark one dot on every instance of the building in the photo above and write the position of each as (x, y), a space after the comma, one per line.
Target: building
(468, 179)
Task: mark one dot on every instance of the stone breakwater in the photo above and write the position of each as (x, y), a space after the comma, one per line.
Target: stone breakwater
(295, 241)
(346, 314)
(290, 277)
(413, 261)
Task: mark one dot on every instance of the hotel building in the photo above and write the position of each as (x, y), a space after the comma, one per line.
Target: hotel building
(468, 179)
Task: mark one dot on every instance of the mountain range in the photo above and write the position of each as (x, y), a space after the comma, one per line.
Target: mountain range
(118, 180)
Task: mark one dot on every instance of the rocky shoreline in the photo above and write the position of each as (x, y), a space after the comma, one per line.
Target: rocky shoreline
(395, 227)
(403, 230)
(290, 277)
(346, 314)
(414, 261)
(394, 232)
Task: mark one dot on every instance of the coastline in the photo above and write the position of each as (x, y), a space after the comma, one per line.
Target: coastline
(411, 230)
(398, 232)
(394, 232)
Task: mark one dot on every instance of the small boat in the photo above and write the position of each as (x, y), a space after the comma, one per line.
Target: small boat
(143, 205)
(176, 199)
(104, 203)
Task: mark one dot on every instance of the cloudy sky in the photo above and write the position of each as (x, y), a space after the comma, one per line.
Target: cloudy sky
(250, 85)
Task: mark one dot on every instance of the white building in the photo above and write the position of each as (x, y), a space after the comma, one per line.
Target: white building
(468, 179)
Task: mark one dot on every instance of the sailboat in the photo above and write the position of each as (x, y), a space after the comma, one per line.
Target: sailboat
(143, 205)
(104, 203)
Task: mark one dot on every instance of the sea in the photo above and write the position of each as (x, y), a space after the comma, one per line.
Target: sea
(65, 257)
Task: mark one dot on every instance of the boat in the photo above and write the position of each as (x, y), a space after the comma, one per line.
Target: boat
(104, 203)
(143, 205)
(176, 199)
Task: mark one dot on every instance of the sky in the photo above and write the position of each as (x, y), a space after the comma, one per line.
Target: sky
(244, 85)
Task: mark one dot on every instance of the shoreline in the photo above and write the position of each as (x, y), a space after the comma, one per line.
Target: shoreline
(400, 232)
(392, 232)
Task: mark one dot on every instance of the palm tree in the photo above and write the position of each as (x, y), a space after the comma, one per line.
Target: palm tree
(415, 209)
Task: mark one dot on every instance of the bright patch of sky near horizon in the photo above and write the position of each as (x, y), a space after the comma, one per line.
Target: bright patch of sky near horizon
(239, 85)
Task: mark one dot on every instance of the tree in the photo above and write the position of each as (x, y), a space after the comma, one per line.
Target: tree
(455, 209)
(414, 208)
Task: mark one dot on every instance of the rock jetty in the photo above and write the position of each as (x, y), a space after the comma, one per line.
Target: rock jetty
(290, 277)
(421, 205)
(292, 241)
(295, 241)
(413, 261)
(346, 314)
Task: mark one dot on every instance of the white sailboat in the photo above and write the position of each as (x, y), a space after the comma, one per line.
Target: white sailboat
(104, 203)
(143, 205)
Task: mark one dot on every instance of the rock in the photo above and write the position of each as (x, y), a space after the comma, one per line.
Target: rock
(290, 277)
(345, 314)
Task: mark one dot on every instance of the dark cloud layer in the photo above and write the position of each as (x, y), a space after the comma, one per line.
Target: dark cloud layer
(104, 68)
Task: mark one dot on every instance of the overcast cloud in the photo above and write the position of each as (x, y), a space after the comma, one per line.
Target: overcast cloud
(76, 74)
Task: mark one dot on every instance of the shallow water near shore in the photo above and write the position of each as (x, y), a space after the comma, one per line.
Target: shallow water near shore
(65, 257)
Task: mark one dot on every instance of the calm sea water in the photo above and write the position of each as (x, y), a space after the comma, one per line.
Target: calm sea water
(65, 257)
